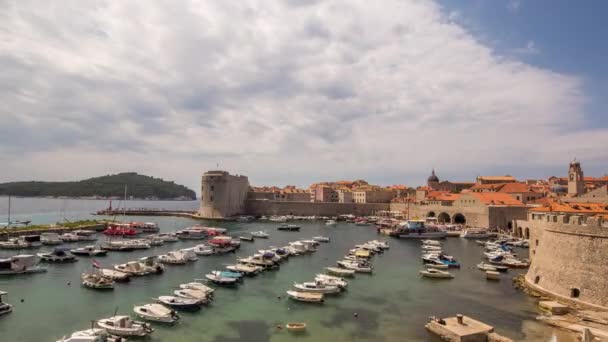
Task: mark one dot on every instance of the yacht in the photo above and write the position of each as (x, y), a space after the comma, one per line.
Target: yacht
(5, 308)
(189, 254)
(13, 243)
(278, 219)
(69, 237)
(20, 264)
(124, 326)
(152, 265)
(416, 229)
(59, 254)
(90, 250)
(118, 246)
(475, 233)
(150, 227)
(331, 280)
(50, 239)
(156, 313)
(355, 266)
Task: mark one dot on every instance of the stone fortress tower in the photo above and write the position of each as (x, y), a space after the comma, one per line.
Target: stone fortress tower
(222, 194)
(576, 184)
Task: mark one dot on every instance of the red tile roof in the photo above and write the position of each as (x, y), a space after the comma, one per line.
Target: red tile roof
(511, 188)
(495, 198)
(581, 208)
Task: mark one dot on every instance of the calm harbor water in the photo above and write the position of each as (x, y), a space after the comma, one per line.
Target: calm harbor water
(392, 304)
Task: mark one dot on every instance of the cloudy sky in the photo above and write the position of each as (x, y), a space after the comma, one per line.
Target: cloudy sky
(295, 91)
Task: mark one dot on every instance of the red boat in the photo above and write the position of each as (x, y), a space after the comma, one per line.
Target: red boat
(120, 230)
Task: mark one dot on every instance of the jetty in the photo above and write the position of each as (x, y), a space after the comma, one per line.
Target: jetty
(148, 212)
(463, 329)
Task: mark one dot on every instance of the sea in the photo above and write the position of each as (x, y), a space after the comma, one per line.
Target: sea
(391, 304)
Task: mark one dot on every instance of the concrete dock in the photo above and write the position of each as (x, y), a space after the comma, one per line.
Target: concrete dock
(464, 329)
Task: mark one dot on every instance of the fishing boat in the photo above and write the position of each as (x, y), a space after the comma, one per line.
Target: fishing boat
(435, 273)
(340, 271)
(331, 223)
(219, 278)
(168, 237)
(246, 238)
(96, 281)
(295, 327)
(50, 239)
(492, 275)
(306, 296)
(357, 267)
(90, 250)
(58, 255)
(245, 269)
(5, 308)
(198, 287)
(156, 313)
(203, 250)
(475, 233)
(200, 296)
(173, 258)
(180, 303)
(321, 238)
(417, 229)
(20, 264)
(91, 335)
(331, 280)
(117, 276)
(134, 268)
(260, 234)
(124, 326)
(289, 227)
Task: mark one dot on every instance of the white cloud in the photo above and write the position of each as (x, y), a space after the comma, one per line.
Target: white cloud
(283, 91)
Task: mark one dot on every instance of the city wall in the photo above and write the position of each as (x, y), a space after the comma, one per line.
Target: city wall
(568, 258)
(258, 208)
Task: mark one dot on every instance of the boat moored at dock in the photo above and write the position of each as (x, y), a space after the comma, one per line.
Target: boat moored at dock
(124, 326)
(58, 255)
(156, 313)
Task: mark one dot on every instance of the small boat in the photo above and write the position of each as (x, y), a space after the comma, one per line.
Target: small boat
(59, 254)
(438, 266)
(306, 296)
(289, 227)
(13, 243)
(85, 235)
(492, 275)
(331, 280)
(278, 219)
(96, 281)
(316, 287)
(189, 254)
(149, 227)
(295, 327)
(151, 265)
(431, 248)
(475, 233)
(361, 253)
(117, 276)
(5, 308)
(198, 287)
(203, 250)
(69, 237)
(134, 268)
(245, 269)
(340, 271)
(155, 241)
(357, 267)
(124, 326)
(50, 239)
(486, 267)
(380, 244)
(434, 273)
(431, 242)
(117, 246)
(156, 313)
(168, 237)
(90, 250)
(260, 234)
(91, 335)
(246, 238)
(200, 296)
(218, 278)
(20, 264)
(191, 234)
(180, 303)
(331, 223)
(173, 258)
(321, 238)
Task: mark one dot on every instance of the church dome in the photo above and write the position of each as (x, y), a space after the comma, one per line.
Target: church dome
(433, 177)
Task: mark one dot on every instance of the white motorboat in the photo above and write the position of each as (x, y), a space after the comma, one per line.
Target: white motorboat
(316, 287)
(138, 244)
(435, 273)
(340, 271)
(59, 254)
(156, 313)
(246, 238)
(124, 326)
(5, 308)
(20, 264)
(152, 265)
(431, 242)
(475, 233)
(85, 235)
(357, 267)
(13, 243)
(173, 258)
(191, 234)
(200, 296)
(96, 281)
(486, 267)
(180, 303)
(114, 275)
(50, 239)
(90, 335)
(198, 287)
(416, 229)
(331, 223)
(438, 266)
(149, 227)
(431, 248)
(331, 280)
(308, 297)
(381, 244)
(90, 250)
(258, 260)
(203, 250)
(245, 269)
(155, 241)
(321, 238)
(168, 237)
(134, 268)
(189, 254)
(217, 278)
(260, 234)
(278, 219)
(69, 237)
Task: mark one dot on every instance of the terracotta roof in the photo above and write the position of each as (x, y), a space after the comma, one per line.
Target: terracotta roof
(581, 208)
(496, 186)
(449, 197)
(495, 198)
(511, 188)
(497, 178)
(426, 188)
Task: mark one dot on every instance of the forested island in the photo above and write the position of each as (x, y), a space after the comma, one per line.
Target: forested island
(110, 186)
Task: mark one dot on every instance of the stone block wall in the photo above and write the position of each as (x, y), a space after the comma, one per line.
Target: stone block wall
(259, 208)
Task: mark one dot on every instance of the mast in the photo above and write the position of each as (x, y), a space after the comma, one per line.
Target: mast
(124, 208)
(8, 224)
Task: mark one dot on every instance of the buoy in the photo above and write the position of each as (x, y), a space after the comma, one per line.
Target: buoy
(356, 314)
(22, 300)
(69, 283)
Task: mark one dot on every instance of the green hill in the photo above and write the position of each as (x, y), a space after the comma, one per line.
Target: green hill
(138, 186)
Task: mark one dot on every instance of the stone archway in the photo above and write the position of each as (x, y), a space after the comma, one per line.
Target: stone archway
(431, 214)
(459, 218)
(527, 233)
(444, 218)
(520, 232)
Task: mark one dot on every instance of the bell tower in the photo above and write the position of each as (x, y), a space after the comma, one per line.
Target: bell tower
(576, 184)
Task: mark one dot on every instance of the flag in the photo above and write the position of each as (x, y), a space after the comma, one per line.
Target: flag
(96, 264)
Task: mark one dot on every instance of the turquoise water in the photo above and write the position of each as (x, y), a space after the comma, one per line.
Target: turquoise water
(392, 304)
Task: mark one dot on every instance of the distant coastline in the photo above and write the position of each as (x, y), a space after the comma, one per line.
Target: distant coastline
(177, 199)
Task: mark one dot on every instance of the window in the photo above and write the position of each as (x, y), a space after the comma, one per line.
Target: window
(211, 198)
(536, 279)
(575, 293)
(536, 242)
(212, 187)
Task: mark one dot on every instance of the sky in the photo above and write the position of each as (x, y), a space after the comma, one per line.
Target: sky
(298, 91)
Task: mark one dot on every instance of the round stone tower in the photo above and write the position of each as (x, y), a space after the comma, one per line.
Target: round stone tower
(222, 194)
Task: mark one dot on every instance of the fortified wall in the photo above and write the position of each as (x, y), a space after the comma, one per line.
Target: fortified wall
(568, 257)
(259, 207)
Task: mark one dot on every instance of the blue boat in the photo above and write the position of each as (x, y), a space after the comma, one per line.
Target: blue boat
(229, 274)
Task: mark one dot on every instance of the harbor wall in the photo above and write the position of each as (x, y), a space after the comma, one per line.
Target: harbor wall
(568, 258)
(262, 207)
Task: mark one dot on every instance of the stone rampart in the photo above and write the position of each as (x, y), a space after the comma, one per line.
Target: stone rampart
(261, 207)
(568, 258)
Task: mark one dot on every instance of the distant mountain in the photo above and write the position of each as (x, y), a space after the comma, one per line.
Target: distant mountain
(138, 186)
